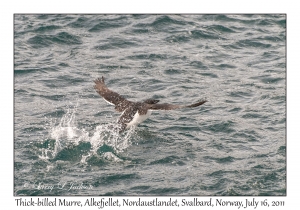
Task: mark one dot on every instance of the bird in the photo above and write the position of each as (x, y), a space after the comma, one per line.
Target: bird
(134, 113)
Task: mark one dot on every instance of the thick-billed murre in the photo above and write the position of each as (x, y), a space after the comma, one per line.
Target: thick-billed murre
(133, 113)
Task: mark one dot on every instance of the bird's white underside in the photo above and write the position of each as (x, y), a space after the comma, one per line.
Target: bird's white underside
(137, 119)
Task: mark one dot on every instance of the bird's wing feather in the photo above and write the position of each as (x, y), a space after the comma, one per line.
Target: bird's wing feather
(110, 96)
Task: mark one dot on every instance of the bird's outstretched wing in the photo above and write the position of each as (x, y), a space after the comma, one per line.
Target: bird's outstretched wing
(110, 96)
(172, 106)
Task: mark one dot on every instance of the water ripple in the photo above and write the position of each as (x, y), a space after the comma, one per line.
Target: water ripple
(234, 144)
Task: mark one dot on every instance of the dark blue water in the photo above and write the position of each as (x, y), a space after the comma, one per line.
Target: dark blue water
(235, 144)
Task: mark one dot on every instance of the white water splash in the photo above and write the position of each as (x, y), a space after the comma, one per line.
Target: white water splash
(67, 132)
(109, 135)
